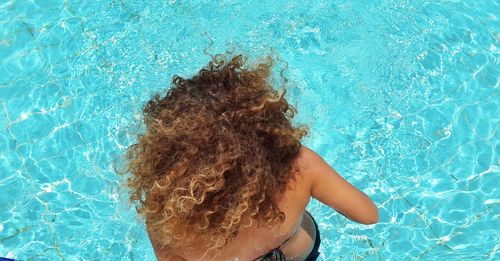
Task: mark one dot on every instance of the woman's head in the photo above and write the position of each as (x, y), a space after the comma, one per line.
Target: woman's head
(217, 151)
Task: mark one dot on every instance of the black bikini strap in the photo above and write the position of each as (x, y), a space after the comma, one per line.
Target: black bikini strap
(286, 241)
(273, 255)
(277, 253)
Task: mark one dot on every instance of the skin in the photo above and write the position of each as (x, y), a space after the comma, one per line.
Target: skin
(316, 179)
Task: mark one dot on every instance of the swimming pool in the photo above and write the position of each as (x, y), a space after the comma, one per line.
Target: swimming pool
(402, 98)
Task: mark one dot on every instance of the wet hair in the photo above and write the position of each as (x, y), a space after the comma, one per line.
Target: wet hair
(217, 152)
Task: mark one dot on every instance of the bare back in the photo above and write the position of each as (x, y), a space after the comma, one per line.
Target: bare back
(254, 241)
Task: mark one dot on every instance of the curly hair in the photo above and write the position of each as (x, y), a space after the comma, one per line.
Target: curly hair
(217, 150)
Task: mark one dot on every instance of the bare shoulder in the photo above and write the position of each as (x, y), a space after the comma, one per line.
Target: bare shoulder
(307, 153)
(305, 162)
(307, 159)
(163, 253)
(324, 180)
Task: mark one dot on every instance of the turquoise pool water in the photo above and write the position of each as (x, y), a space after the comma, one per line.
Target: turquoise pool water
(402, 97)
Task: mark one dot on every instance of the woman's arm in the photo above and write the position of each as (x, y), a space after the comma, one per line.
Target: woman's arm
(331, 189)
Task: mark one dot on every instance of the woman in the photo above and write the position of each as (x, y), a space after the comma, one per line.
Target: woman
(220, 173)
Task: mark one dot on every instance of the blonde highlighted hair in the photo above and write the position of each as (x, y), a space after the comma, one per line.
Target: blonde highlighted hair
(217, 149)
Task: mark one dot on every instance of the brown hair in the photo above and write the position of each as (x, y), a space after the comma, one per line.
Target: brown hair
(217, 150)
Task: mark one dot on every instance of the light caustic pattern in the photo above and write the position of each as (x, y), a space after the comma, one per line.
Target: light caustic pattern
(402, 98)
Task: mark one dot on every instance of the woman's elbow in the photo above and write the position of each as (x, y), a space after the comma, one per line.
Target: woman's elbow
(374, 217)
(371, 217)
(372, 220)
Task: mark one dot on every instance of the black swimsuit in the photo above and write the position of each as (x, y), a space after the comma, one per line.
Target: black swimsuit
(278, 255)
